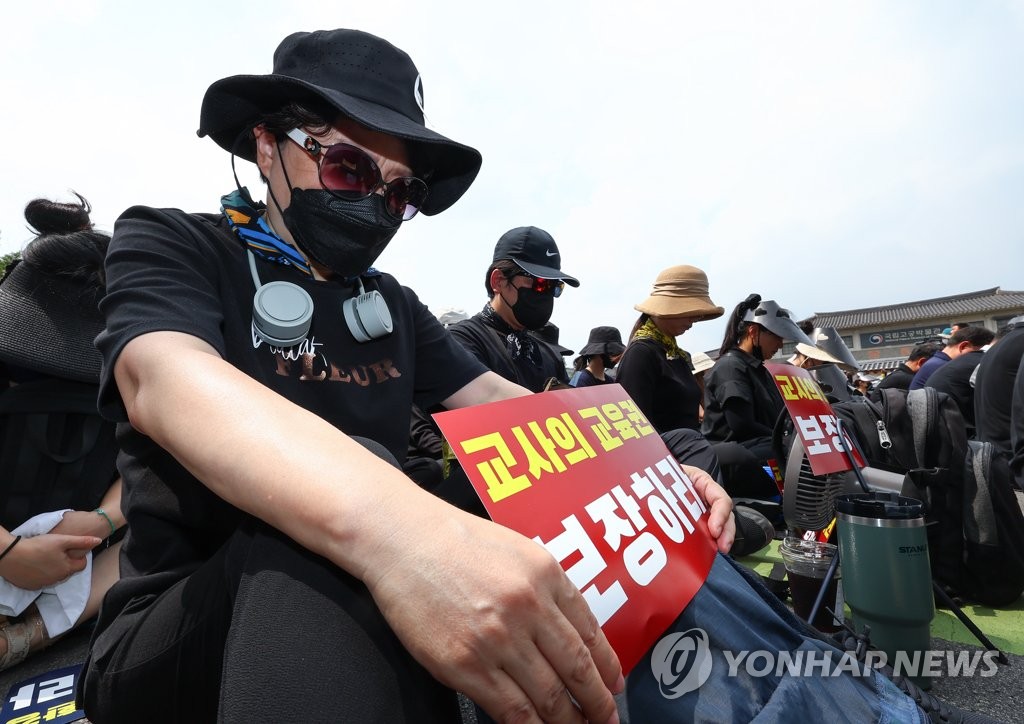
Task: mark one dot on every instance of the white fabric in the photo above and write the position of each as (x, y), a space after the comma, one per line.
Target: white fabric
(61, 604)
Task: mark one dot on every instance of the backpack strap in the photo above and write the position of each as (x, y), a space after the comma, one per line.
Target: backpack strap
(923, 407)
(56, 450)
(45, 397)
(980, 523)
(50, 395)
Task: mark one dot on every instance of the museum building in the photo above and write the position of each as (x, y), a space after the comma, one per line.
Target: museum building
(882, 337)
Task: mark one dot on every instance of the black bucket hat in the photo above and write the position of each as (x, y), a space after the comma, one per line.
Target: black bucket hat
(603, 340)
(549, 335)
(48, 323)
(364, 78)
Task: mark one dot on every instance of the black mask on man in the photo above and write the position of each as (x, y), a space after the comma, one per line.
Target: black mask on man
(533, 309)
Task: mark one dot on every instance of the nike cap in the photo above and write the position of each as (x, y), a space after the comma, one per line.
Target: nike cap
(534, 251)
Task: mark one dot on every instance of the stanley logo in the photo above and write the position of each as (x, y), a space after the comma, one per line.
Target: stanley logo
(914, 549)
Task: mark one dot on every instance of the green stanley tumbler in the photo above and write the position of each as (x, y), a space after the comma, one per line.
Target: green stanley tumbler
(887, 577)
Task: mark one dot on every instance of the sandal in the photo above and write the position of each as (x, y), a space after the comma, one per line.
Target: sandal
(19, 641)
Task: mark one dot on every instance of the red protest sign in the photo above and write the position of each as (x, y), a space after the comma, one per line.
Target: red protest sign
(813, 418)
(585, 474)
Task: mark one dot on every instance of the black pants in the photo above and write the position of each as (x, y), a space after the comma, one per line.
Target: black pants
(689, 447)
(743, 471)
(263, 631)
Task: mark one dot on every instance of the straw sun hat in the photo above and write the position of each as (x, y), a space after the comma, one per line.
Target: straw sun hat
(680, 291)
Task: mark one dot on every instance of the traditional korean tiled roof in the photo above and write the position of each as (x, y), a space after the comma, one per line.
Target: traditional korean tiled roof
(986, 301)
(873, 365)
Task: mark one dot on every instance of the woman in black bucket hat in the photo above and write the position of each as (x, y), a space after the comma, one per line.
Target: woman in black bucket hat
(277, 569)
(603, 349)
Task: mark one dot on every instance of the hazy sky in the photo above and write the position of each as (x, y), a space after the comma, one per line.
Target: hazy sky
(828, 155)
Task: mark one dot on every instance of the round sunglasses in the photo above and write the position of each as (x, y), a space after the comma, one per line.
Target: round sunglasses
(348, 172)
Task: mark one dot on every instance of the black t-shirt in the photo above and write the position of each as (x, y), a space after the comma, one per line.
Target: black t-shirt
(954, 378)
(172, 271)
(664, 389)
(900, 379)
(993, 389)
(489, 347)
(738, 375)
(1017, 424)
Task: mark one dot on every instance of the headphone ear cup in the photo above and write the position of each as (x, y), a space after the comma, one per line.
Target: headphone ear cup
(282, 313)
(368, 316)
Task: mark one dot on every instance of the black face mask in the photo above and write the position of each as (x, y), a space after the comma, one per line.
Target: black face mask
(758, 352)
(608, 362)
(343, 236)
(533, 309)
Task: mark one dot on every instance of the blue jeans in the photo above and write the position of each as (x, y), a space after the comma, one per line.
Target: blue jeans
(735, 613)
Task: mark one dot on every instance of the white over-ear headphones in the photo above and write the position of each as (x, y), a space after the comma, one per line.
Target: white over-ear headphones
(282, 312)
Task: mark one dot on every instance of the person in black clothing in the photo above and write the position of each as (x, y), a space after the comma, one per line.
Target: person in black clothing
(549, 334)
(278, 565)
(901, 377)
(1017, 427)
(601, 353)
(522, 283)
(655, 372)
(499, 337)
(994, 390)
(954, 378)
(58, 457)
(659, 377)
(741, 402)
(966, 339)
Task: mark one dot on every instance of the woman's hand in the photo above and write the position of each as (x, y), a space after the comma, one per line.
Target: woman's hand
(44, 560)
(721, 523)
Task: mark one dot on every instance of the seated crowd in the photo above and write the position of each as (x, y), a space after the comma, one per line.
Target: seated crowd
(277, 564)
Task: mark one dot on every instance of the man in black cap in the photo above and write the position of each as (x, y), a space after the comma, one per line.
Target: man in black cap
(276, 568)
(522, 282)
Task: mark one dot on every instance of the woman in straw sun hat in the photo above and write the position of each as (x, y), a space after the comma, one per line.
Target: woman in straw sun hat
(659, 376)
(656, 373)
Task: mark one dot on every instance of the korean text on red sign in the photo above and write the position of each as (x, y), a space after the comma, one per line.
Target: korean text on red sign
(583, 473)
(814, 420)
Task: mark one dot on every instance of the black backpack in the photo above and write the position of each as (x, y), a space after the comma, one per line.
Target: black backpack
(975, 526)
(993, 527)
(56, 451)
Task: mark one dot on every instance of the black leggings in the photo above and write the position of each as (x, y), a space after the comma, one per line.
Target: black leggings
(743, 468)
(263, 631)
